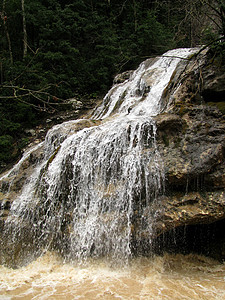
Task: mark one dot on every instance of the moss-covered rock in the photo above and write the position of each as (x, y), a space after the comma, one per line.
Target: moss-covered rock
(220, 105)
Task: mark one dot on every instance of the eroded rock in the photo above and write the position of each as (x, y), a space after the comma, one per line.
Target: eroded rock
(11, 183)
(191, 140)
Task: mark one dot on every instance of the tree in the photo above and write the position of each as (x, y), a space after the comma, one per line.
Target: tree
(216, 14)
(24, 30)
(4, 20)
(203, 17)
(52, 50)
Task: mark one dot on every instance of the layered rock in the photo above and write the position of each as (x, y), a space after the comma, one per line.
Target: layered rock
(190, 140)
(11, 183)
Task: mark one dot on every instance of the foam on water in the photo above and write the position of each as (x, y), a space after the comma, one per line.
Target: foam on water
(90, 199)
(92, 194)
(167, 277)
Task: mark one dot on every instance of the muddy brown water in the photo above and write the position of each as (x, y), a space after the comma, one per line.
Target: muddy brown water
(162, 277)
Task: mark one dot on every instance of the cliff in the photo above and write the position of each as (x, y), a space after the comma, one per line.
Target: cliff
(190, 141)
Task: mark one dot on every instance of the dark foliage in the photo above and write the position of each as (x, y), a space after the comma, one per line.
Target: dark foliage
(75, 47)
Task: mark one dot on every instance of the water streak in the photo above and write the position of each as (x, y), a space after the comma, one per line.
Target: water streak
(93, 192)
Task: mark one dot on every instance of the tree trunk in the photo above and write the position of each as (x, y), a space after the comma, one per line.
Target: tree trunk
(4, 19)
(135, 15)
(222, 14)
(24, 31)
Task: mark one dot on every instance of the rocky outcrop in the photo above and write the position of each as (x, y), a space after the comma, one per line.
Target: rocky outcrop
(11, 183)
(191, 208)
(193, 146)
(122, 77)
(190, 140)
(213, 85)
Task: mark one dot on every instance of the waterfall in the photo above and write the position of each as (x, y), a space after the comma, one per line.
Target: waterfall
(94, 191)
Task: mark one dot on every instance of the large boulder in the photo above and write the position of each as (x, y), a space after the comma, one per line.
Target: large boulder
(11, 183)
(191, 140)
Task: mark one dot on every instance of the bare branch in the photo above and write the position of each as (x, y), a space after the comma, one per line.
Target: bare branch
(42, 96)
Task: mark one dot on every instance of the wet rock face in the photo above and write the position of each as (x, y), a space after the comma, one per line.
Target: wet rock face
(122, 77)
(11, 185)
(191, 140)
(214, 84)
(193, 147)
(193, 208)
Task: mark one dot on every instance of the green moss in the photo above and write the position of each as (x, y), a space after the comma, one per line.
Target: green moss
(49, 161)
(52, 157)
(181, 108)
(184, 128)
(177, 142)
(192, 56)
(182, 111)
(219, 105)
(165, 140)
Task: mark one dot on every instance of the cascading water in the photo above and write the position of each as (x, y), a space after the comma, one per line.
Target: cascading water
(93, 191)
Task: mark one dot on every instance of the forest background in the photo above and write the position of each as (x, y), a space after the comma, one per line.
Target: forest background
(52, 50)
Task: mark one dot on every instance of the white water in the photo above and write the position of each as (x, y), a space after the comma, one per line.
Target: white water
(143, 90)
(26, 154)
(94, 190)
(170, 277)
(92, 196)
(99, 179)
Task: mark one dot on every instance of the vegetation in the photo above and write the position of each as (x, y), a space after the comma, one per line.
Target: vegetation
(51, 50)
